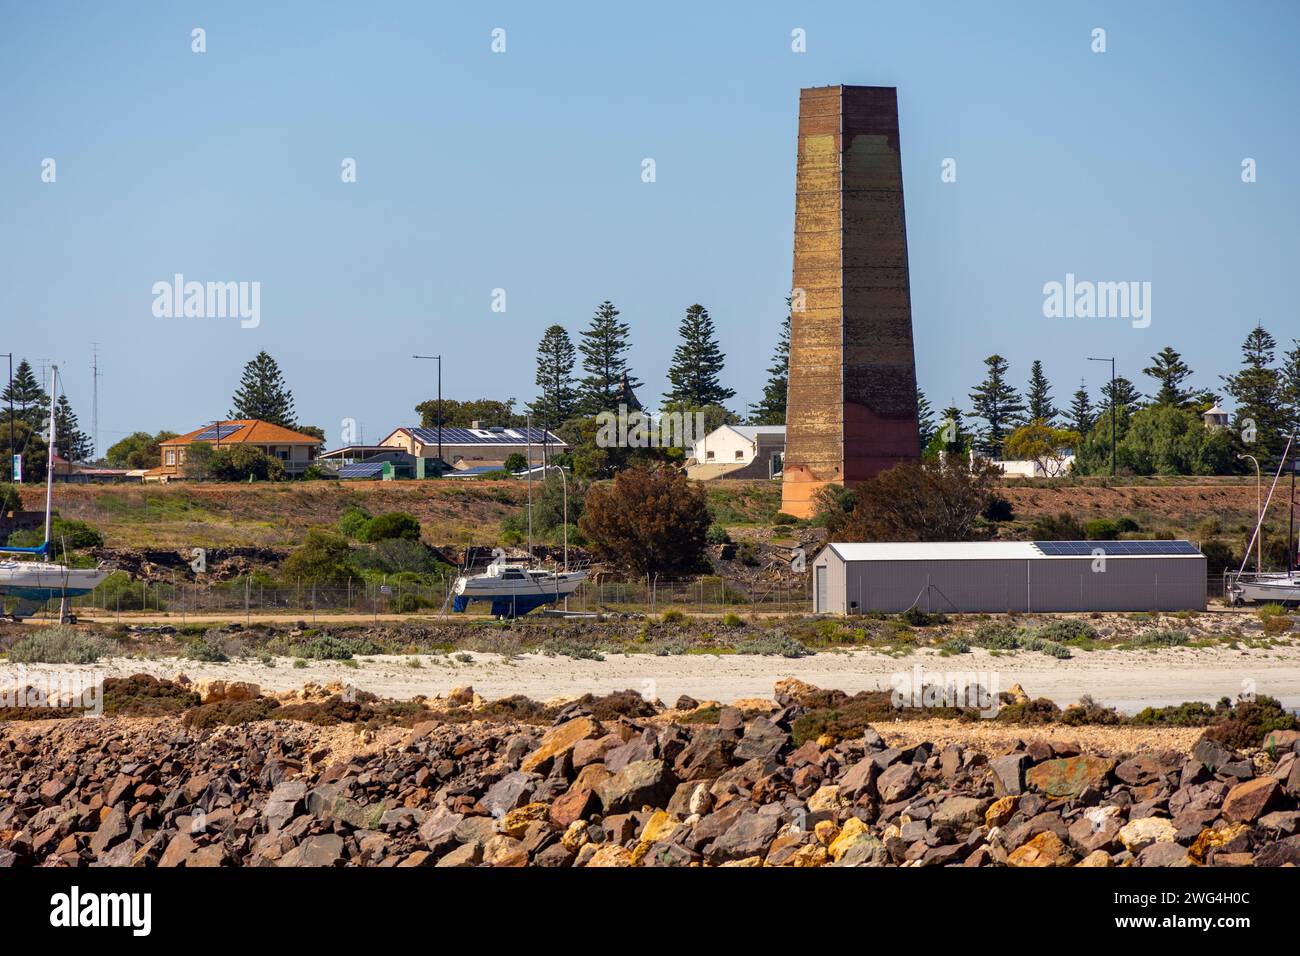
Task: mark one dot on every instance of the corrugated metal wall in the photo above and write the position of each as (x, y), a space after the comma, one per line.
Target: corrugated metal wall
(993, 586)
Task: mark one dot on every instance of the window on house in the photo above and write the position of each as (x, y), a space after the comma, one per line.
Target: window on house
(169, 457)
(708, 456)
(740, 454)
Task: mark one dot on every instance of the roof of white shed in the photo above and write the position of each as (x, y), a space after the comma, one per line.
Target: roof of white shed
(1009, 550)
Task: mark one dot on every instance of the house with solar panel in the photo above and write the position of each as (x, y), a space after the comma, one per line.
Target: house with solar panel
(478, 449)
(1001, 576)
(294, 450)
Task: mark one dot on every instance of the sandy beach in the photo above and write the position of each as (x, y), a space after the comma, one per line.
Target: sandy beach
(1128, 680)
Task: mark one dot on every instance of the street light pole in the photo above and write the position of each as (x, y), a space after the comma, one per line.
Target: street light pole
(12, 450)
(438, 359)
(1113, 403)
(1259, 504)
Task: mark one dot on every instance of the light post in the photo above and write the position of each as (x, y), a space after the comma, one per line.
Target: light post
(1259, 543)
(1113, 403)
(438, 359)
(564, 486)
(13, 461)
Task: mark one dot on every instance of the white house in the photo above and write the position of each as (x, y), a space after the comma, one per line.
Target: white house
(478, 446)
(739, 451)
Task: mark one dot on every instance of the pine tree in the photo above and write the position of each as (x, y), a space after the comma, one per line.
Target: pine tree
(955, 440)
(31, 401)
(997, 404)
(263, 395)
(1290, 388)
(697, 363)
(771, 409)
(1168, 368)
(559, 398)
(70, 442)
(603, 345)
(1126, 396)
(924, 419)
(1257, 390)
(1081, 414)
(1040, 395)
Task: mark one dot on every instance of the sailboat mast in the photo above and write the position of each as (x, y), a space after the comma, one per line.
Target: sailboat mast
(49, 469)
(1290, 531)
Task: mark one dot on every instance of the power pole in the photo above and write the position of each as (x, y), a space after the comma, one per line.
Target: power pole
(438, 359)
(94, 401)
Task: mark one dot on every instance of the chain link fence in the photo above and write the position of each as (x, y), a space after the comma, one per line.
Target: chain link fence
(249, 599)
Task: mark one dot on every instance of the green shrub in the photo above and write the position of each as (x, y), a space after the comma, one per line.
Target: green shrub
(10, 499)
(322, 558)
(673, 616)
(1060, 527)
(1101, 529)
(1160, 638)
(353, 521)
(59, 645)
(774, 644)
(393, 524)
(731, 619)
(1064, 630)
(327, 647)
(211, 650)
(1250, 721)
(717, 535)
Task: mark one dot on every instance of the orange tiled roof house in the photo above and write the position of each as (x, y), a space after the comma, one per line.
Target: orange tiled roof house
(294, 450)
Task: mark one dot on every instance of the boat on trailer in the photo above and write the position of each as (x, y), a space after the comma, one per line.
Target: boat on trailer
(514, 589)
(1269, 587)
(35, 581)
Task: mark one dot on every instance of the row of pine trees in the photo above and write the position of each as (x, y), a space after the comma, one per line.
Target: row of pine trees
(607, 379)
(31, 412)
(1265, 391)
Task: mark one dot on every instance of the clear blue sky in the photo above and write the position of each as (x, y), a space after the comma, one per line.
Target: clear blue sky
(522, 171)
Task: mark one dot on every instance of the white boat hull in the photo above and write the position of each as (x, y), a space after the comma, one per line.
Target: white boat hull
(514, 591)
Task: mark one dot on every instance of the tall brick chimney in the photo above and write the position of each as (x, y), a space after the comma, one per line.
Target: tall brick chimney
(851, 407)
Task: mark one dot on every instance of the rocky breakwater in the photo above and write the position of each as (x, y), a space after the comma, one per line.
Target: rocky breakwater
(626, 791)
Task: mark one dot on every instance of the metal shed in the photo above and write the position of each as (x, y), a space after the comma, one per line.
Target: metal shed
(1000, 576)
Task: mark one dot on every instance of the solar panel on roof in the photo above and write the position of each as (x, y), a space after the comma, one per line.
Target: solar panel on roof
(216, 433)
(365, 469)
(466, 436)
(1131, 549)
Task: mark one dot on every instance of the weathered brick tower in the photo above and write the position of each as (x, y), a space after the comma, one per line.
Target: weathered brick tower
(851, 408)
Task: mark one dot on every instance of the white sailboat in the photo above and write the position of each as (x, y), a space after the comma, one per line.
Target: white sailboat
(516, 589)
(1281, 587)
(37, 580)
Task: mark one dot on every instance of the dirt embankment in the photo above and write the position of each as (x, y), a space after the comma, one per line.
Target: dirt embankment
(186, 515)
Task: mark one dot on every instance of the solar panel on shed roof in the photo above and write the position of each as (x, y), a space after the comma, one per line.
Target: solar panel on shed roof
(365, 469)
(1124, 549)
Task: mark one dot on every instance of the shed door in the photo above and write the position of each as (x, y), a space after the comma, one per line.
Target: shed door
(819, 604)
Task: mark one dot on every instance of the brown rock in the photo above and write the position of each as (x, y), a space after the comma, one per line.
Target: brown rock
(559, 741)
(1046, 849)
(1248, 799)
(1069, 776)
